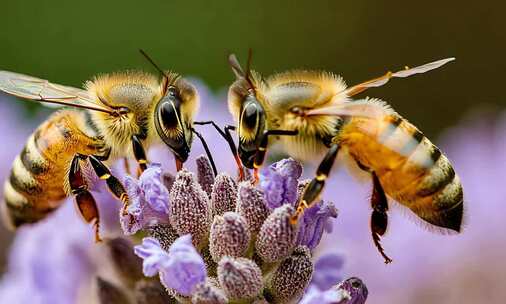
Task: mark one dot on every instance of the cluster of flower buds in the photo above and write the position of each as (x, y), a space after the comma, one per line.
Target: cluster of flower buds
(218, 240)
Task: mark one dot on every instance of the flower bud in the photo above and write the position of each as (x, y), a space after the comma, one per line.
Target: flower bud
(229, 236)
(224, 194)
(291, 277)
(240, 278)
(250, 204)
(189, 208)
(278, 235)
(164, 234)
(356, 290)
(205, 174)
(209, 293)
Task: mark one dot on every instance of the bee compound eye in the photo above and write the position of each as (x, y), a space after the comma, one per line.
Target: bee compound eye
(168, 115)
(250, 116)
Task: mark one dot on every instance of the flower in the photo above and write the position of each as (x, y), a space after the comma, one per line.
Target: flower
(279, 182)
(181, 268)
(315, 220)
(149, 201)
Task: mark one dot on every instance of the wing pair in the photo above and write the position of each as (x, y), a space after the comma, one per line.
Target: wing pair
(360, 107)
(41, 90)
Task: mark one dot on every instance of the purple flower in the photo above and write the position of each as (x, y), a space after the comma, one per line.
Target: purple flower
(49, 264)
(180, 269)
(314, 222)
(331, 296)
(279, 182)
(327, 271)
(149, 201)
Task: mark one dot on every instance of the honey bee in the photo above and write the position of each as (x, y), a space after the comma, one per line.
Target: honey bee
(117, 115)
(312, 115)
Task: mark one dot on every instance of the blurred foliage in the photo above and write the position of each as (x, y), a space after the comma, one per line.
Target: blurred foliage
(69, 41)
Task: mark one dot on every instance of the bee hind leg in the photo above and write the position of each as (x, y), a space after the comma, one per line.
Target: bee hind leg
(379, 216)
(84, 199)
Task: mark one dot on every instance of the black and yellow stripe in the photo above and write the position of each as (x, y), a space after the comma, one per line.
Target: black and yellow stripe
(435, 190)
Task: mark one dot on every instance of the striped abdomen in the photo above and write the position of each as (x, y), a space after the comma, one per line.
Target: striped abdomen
(411, 169)
(36, 183)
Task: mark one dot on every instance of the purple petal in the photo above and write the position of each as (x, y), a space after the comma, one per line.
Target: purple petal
(327, 271)
(314, 223)
(153, 255)
(185, 268)
(279, 182)
(155, 192)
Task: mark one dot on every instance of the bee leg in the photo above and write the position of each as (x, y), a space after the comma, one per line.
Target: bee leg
(315, 187)
(379, 216)
(225, 133)
(139, 153)
(262, 148)
(113, 183)
(206, 148)
(84, 199)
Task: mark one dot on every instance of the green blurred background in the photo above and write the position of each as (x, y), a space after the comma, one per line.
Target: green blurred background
(70, 41)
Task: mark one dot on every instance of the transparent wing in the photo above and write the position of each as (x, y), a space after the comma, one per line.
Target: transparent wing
(380, 81)
(369, 108)
(41, 90)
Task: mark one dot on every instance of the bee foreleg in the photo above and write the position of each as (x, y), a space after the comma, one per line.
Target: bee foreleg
(262, 147)
(84, 199)
(225, 133)
(379, 216)
(206, 148)
(315, 187)
(113, 183)
(139, 153)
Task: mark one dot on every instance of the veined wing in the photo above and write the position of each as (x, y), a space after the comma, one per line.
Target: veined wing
(41, 90)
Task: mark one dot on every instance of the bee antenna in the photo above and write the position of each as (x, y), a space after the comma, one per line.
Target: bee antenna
(152, 62)
(248, 67)
(164, 75)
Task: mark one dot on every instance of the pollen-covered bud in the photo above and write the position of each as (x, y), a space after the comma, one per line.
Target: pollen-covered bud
(250, 204)
(205, 174)
(152, 292)
(209, 293)
(240, 278)
(189, 208)
(278, 235)
(164, 234)
(229, 236)
(109, 293)
(126, 263)
(356, 290)
(291, 277)
(224, 194)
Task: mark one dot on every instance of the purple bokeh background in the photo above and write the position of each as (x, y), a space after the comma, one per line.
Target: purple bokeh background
(427, 268)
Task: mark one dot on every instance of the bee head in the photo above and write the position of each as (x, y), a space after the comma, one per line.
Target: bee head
(174, 116)
(251, 127)
(247, 111)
